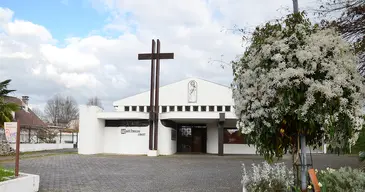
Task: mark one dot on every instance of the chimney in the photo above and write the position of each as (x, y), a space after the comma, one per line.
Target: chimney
(25, 100)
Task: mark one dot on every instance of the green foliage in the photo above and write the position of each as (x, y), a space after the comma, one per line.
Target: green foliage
(343, 179)
(6, 109)
(3, 88)
(5, 173)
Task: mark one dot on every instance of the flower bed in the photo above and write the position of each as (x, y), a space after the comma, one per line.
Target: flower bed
(339, 180)
(24, 182)
(277, 177)
(268, 178)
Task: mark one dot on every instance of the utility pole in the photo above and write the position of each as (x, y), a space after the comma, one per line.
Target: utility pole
(303, 145)
(295, 6)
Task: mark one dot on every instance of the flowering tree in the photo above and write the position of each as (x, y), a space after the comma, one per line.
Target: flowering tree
(297, 79)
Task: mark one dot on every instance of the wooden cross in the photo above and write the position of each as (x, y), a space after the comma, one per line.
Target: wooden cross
(154, 109)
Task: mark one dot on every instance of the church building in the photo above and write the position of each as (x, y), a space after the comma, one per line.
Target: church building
(195, 116)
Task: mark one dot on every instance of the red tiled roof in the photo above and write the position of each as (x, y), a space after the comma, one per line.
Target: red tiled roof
(27, 119)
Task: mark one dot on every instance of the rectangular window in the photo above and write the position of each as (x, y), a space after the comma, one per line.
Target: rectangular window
(127, 123)
(187, 108)
(164, 109)
(203, 108)
(148, 109)
(219, 108)
(141, 108)
(195, 108)
(211, 108)
(134, 108)
(126, 108)
(234, 136)
(173, 134)
(172, 108)
(228, 108)
(179, 108)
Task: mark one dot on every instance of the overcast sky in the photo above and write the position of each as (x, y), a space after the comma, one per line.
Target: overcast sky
(85, 48)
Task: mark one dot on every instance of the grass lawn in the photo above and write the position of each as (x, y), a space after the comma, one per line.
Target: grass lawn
(5, 173)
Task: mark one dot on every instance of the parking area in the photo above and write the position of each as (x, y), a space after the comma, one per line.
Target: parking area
(177, 173)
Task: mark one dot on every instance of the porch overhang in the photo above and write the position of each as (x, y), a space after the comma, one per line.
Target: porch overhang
(197, 117)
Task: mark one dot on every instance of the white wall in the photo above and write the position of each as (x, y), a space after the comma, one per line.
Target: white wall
(130, 143)
(238, 149)
(177, 94)
(212, 143)
(212, 138)
(166, 146)
(91, 130)
(26, 147)
(25, 183)
(66, 137)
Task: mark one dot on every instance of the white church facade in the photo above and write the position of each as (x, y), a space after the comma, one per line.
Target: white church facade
(195, 116)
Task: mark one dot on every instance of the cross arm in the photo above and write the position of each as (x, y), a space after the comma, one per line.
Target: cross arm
(148, 56)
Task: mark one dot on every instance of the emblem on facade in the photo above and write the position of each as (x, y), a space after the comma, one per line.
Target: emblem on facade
(192, 91)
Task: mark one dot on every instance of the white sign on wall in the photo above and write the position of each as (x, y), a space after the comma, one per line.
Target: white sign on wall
(125, 131)
(10, 131)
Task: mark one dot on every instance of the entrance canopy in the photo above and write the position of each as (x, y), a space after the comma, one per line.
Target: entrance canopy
(198, 117)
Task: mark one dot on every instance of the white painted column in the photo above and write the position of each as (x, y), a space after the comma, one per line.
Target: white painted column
(90, 130)
(166, 146)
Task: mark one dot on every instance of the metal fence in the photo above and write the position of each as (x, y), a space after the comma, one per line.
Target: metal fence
(28, 135)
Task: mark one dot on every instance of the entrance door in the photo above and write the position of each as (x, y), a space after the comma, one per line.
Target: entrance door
(192, 139)
(199, 140)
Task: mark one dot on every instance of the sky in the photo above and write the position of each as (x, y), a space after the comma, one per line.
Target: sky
(87, 48)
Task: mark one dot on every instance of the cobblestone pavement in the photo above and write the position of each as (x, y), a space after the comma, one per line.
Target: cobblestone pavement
(177, 173)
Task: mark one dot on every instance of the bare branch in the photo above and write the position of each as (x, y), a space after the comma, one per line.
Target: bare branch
(350, 23)
(95, 101)
(61, 110)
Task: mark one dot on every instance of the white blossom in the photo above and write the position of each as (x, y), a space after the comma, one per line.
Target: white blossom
(269, 175)
(255, 89)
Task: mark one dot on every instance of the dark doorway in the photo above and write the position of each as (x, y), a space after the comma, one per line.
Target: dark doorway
(192, 139)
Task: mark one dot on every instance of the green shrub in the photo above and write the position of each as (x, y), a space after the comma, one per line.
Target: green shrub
(268, 178)
(343, 179)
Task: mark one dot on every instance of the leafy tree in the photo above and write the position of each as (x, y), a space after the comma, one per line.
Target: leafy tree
(297, 79)
(6, 109)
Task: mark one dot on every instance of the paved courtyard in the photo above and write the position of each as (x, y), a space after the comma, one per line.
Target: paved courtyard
(177, 173)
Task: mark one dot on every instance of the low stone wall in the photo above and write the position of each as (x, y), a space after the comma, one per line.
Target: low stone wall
(5, 148)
